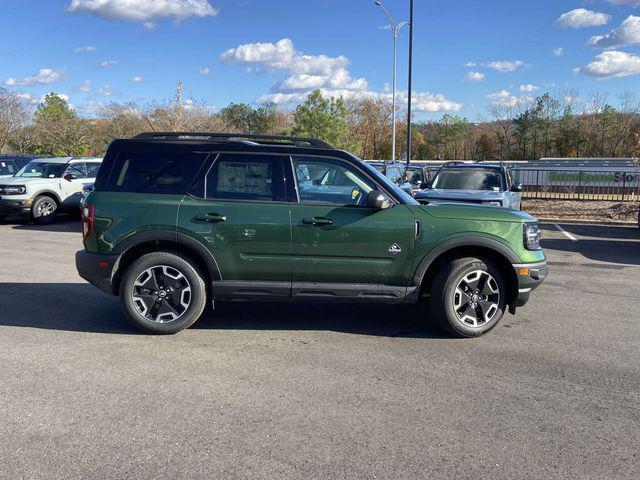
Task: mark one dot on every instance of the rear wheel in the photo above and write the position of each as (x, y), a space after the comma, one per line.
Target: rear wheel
(44, 210)
(162, 293)
(469, 297)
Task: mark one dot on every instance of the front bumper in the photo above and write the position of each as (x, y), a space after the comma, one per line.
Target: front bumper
(530, 276)
(98, 269)
(10, 207)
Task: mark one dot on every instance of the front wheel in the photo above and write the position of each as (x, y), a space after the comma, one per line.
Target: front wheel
(469, 297)
(162, 293)
(44, 210)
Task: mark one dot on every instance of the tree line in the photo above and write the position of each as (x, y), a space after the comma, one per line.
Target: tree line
(516, 129)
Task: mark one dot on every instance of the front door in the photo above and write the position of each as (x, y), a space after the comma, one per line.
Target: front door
(239, 211)
(340, 246)
(71, 184)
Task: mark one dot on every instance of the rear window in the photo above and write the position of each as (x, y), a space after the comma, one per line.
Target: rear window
(151, 173)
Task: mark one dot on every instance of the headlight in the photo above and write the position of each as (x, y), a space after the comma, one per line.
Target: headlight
(532, 236)
(13, 189)
(493, 204)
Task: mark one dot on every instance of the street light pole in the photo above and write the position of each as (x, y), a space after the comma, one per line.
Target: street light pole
(395, 28)
(409, 93)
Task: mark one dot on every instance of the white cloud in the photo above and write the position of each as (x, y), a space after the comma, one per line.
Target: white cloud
(529, 88)
(137, 79)
(628, 33)
(90, 108)
(108, 63)
(146, 11)
(85, 87)
(582, 18)
(85, 49)
(471, 64)
(205, 71)
(305, 73)
(28, 98)
(45, 76)
(105, 91)
(150, 25)
(505, 99)
(558, 51)
(612, 64)
(475, 76)
(505, 66)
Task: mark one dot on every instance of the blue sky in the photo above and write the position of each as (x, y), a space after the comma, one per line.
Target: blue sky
(468, 54)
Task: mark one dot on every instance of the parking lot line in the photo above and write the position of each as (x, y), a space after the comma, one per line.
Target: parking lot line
(567, 234)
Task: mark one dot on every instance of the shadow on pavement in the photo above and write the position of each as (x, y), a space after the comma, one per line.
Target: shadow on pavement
(610, 251)
(82, 308)
(64, 223)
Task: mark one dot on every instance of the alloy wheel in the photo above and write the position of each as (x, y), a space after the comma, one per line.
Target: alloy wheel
(476, 299)
(161, 294)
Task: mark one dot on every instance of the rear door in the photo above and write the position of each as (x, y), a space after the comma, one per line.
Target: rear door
(240, 212)
(340, 246)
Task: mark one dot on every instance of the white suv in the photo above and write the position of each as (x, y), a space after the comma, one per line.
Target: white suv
(45, 186)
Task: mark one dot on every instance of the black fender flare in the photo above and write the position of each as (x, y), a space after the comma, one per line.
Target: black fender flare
(463, 241)
(194, 245)
(48, 193)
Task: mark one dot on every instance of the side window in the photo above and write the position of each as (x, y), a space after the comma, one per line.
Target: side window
(77, 169)
(246, 177)
(330, 182)
(92, 170)
(153, 172)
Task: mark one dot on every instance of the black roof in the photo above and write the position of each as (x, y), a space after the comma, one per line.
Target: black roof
(478, 165)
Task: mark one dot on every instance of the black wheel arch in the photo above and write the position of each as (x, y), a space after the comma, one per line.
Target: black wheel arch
(48, 193)
(149, 241)
(478, 247)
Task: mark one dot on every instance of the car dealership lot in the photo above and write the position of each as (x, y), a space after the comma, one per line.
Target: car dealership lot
(348, 391)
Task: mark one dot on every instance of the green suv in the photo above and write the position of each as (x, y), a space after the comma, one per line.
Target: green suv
(179, 219)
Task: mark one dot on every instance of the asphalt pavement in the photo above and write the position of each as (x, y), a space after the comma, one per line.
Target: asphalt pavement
(320, 391)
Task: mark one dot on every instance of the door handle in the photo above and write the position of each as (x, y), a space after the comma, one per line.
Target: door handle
(211, 218)
(317, 221)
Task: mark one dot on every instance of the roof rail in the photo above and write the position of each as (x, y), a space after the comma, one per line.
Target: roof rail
(249, 138)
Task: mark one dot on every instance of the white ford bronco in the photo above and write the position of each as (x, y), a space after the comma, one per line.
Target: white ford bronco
(46, 186)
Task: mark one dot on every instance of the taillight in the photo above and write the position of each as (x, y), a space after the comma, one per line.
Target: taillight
(88, 217)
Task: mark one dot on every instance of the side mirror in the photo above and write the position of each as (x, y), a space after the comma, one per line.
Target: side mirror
(425, 185)
(70, 176)
(516, 187)
(378, 200)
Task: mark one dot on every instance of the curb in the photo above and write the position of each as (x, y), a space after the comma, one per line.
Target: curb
(611, 223)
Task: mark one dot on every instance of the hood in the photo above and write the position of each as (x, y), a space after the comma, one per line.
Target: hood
(460, 195)
(27, 180)
(467, 211)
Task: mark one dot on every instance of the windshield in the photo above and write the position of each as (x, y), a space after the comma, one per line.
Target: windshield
(468, 180)
(42, 170)
(389, 185)
(7, 168)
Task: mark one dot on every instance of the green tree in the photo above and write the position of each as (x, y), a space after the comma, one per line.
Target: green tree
(324, 118)
(59, 130)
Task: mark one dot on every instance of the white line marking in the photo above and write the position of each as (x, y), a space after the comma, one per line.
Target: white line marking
(567, 234)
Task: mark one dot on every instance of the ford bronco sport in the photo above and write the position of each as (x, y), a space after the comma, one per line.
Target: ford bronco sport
(46, 186)
(179, 219)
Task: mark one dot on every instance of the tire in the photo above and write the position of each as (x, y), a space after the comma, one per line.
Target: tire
(461, 308)
(44, 210)
(159, 286)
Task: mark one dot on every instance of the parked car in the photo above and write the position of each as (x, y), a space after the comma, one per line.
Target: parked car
(9, 165)
(410, 178)
(176, 220)
(87, 188)
(46, 186)
(482, 183)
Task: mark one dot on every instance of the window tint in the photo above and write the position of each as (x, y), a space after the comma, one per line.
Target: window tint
(330, 182)
(394, 174)
(7, 168)
(92, 170)
(246, 177)
(153, 173)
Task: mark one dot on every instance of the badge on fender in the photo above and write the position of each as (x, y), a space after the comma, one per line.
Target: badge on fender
(395, 249)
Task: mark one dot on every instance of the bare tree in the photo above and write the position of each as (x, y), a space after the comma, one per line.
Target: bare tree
(14, 115)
